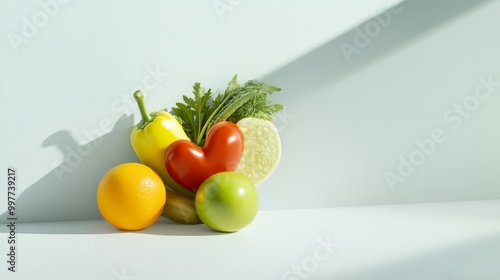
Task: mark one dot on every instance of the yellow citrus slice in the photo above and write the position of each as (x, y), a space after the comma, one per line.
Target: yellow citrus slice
(262, 151)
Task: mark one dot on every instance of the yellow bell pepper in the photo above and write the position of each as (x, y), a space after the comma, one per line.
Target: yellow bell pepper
(151, 137)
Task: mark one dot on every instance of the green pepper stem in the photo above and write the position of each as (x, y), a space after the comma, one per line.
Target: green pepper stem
(139, 98)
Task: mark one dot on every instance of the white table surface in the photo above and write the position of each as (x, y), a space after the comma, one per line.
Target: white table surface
(454, 241)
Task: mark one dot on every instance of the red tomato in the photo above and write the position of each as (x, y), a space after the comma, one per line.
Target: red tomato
(189, 165)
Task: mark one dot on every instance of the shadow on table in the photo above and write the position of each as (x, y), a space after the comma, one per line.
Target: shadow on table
(474, 260)
(170, 228)
(161, 227)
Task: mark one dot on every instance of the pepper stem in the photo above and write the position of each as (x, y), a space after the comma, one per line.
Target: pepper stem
(139, 98)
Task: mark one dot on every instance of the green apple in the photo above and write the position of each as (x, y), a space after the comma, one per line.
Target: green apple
(227, 201)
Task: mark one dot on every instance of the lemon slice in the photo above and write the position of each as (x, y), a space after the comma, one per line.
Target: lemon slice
(262, 151)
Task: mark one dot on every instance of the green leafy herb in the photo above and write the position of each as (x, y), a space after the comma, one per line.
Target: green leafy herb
(193, 113)
(198, 114)
(257, 107)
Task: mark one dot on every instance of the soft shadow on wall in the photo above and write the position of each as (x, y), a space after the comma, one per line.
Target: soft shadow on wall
(329, 63)
(69, 191)
(302, 82)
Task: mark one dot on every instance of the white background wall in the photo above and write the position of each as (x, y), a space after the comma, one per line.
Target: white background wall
(66, 88)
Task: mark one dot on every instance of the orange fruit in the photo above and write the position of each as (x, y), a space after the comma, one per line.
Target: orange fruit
(131, 196)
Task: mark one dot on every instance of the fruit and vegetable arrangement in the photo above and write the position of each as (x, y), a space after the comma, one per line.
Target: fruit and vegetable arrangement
(200, 161)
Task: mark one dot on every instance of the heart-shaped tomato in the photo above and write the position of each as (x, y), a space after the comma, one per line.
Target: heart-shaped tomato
(190, 165)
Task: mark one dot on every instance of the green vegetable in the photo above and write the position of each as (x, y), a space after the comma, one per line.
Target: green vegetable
(198, 114)
(258, 107)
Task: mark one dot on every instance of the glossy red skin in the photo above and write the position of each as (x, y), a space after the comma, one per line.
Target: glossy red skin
(190, 165)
